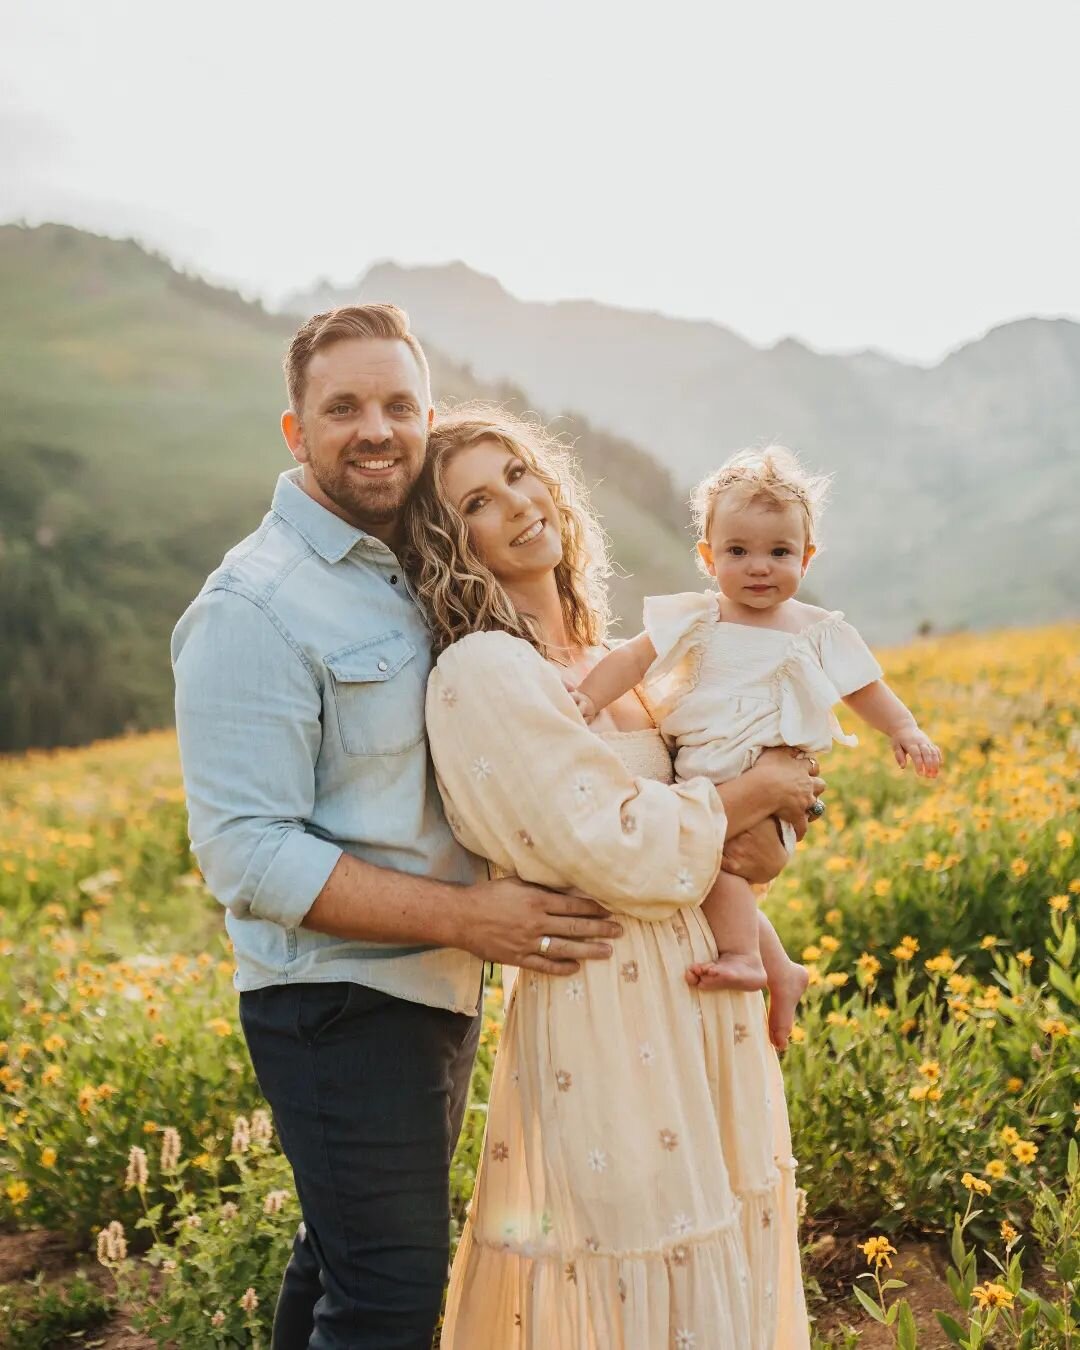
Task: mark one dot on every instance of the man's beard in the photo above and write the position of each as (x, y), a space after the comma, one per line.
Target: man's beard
(369, 502)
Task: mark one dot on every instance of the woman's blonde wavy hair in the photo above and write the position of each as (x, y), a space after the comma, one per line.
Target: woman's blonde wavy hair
(459, 594)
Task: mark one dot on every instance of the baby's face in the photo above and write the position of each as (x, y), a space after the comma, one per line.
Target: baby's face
(757, 553)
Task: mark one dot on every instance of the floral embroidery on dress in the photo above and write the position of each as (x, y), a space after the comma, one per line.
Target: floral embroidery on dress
(575, 990)
(526, 838)
(766, 1218)
(685, 880)
(597, 1160)
(571, 1272)
(622, 1289)
(563, 1080)
(447, 696)
(499, 1151)
(629, 971)
(646, 1053)
(685, 1340)
(680, 1255)
(741, 1033)
(481, 768)
(679, 928)
(592, 1245)
(681, 1225)
(582, 790)
(629, 822)
(669, 1140)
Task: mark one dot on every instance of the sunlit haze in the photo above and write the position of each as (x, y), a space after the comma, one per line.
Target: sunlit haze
(892, 175)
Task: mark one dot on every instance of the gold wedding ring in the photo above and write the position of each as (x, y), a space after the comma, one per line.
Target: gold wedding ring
(545, 946)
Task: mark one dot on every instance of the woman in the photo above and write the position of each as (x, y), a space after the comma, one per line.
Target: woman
(636, 1189)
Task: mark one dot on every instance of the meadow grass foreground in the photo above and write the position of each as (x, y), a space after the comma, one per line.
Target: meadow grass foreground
(932, 1080)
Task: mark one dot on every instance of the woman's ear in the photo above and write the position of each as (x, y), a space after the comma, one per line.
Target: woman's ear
(810, 551)
(704, 549)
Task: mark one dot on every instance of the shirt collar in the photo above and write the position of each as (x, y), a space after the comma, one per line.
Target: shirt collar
(331, 537)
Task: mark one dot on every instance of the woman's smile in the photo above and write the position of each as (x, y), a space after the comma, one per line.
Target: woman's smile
(527, 535)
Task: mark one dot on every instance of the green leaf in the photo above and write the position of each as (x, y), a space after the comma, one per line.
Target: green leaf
(906, 1336)
(869, 1305)
(951, 1327)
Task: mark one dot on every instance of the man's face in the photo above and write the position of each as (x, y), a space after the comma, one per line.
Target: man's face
(362, 431)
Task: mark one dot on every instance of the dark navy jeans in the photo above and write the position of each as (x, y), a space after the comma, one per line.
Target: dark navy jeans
(368, 1094)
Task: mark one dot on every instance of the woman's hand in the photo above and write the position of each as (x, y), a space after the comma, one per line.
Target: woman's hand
(757, 855)
(792, 779)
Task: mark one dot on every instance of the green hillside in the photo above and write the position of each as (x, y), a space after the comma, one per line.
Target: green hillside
(139, 440)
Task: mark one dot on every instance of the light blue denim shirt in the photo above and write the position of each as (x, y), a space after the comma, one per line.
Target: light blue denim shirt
(300, 669)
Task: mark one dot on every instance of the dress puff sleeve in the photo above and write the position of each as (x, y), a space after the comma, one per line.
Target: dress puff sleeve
(527, 785)
(845, 658)
(675, 625)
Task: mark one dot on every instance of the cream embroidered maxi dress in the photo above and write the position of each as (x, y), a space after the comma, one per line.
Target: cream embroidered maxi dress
(636, 1190)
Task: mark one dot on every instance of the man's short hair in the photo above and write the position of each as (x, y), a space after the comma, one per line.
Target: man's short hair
(339, 325)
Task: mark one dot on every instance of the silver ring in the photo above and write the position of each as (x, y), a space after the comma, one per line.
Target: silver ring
(545, 946)
(816, 811)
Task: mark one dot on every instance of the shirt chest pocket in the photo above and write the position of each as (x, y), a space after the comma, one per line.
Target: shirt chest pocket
(377, 692)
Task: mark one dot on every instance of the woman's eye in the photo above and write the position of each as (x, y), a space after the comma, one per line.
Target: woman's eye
(473, 506)
(516, 472)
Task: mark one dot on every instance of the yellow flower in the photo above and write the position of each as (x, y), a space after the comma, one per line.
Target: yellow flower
(150, 1127)
(882, 886)
(1053, 1027)
(869, 965)
(1008, 1233)
(837, 978)
(1065, 838)
(829, 943)
(1024, 1151)
(17, 1192)
(87, 1097)
(219, 1026)
(882, 1013)
(833, 916)
(835, 1019)
(972, 1183)
(919, 1092)
(877, 1251)
(906, 949)
(1009, 1135)
(942, 964)
(1014, 1085)
(992, 1296)
(1060, 903)
(930, 1069)
(907, 1025)
(798, 1034)
(996, 1168)
(53, 1043)
(811, 953)
(48, 1157)
(52, 1073)
(1019, 868)
(988, 941)
(1074, 886)
(1025, 958)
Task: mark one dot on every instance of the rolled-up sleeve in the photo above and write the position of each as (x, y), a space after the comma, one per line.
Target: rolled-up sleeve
(529, 786)
(248, 721)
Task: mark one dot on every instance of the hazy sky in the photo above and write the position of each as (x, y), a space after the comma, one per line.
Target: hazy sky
(854, 172)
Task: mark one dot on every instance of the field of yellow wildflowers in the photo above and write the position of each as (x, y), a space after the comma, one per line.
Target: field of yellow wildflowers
(933, 1078)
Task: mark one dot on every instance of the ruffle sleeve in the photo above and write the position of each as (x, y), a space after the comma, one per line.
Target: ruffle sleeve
(845, 658)
(676, 628)
(528, 786)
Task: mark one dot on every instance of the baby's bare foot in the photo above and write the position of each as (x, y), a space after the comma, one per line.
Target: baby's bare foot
(784, 995)
(732, 970)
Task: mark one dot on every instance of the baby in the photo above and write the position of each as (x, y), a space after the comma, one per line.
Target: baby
(729, 673)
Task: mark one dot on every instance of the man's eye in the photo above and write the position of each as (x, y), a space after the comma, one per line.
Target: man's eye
(340, 408)
(400, 408)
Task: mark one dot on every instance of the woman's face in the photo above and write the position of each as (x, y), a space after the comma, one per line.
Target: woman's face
(512, 519)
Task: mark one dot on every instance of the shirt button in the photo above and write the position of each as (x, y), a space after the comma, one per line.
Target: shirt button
(383, 666)
(393, 579)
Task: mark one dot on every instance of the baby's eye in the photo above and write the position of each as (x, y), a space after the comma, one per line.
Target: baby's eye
(781, 552)
(736, 550)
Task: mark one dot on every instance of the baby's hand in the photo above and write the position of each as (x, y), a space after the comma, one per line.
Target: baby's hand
(583, 703)
(925, 757)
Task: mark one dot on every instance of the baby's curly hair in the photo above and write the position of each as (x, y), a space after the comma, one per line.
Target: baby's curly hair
(772, 476)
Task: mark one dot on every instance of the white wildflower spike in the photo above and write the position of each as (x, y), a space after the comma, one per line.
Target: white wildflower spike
(241, 1135)
(262, 1127)
(170, 1149)
(249, 1300)
(275, 1202)
(112, 1244)
(137, 1171)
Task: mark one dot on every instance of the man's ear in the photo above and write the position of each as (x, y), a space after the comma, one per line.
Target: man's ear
(704, 549)
(294, 436)
(810, 551)
(430, 418)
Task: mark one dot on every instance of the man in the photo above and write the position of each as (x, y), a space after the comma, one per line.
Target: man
(359, 924)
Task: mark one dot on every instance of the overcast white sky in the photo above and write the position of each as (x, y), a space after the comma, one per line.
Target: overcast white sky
(853, 172)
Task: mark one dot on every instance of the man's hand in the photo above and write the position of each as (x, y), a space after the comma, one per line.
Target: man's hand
(758, 855)
(507, 920)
